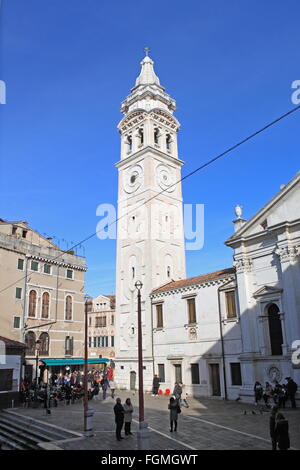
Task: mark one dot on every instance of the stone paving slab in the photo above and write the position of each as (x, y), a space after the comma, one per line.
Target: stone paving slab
(206, 424)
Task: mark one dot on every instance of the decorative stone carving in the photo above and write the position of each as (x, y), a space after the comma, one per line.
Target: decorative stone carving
(243, 265)
(192, 333)
(274, 374)
(288, 253)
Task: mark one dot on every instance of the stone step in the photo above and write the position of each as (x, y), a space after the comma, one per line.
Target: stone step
(41, 429)
(15, 441)
(34, 433)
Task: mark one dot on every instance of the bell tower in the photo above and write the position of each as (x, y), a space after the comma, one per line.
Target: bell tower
(150, 240)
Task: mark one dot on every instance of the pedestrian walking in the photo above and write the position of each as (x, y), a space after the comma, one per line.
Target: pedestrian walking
(128, 411)
(177, 392)
(174, 410)
(272, 423)
(282, 396)
(112, 387)
(258, 392)
(155, 385)
(104, 385)
(119, 418)
(268, 391)
(292, 388)
(282, 432)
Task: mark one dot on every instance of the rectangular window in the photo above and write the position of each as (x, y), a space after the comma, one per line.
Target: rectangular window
(34, 266)
(90, 341)
(18, 292)
(47, 269)
(159, 316)
(90, 321)
(236, 376)
(17, 322)
(24, 233)
(100, 322)
(195, 373)
(191, 311)
(161, 372)
(20, 264)
(95, 342)
(112, 320)
(6, 380)
(112, 341)
(69, 346)
(106, 341)
(230, 304)
(14, 230)
(69, 274)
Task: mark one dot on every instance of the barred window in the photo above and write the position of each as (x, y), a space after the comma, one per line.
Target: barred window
(191, 311)
(68, 307)
(230, 304)
(45, 305)
(30, 340)
(159, 316)
(44, 347)
(195, 373)
(32, 303)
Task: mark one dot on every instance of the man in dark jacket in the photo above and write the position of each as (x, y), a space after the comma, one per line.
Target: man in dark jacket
(155, 385)
(119, 418)
(272, 426)
(282, 432)
(291, 389)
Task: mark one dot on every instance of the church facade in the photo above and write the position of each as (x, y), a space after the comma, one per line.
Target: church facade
(218, 333)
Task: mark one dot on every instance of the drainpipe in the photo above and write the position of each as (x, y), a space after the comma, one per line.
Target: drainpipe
(25, 298)
(222, 343)
(152, 340)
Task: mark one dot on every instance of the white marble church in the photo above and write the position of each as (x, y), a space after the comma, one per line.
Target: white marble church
(217, 333)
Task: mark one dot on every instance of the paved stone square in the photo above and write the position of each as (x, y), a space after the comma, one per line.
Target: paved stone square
(208, 424)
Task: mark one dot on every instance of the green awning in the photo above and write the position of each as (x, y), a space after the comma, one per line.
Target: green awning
(72, 362)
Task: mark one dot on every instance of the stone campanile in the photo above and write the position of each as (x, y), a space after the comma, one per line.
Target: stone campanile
(150, 240)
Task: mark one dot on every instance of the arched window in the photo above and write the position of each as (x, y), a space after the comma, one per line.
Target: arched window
(68, 307)
(129, 142)
(45, 305)
(133, 272)
(275, 330)
(156, 135)
(168, 141)
(141, 135)
(44, 347)
(32, 303)
(30, 343)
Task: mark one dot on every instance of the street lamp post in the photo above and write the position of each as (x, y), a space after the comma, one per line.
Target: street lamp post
(143, 432)
(37, 350)
(88, 413)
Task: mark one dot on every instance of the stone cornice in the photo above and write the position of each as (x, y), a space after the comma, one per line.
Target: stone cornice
(144, 150)
(185, 290)
(56, 262)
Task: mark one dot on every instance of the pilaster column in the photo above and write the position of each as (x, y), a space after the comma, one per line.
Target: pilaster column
(289, 254)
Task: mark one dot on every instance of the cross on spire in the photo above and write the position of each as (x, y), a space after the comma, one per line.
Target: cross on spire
(146, 49)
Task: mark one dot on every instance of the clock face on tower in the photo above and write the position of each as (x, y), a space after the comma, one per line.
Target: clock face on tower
(165, 177)
(133, 178)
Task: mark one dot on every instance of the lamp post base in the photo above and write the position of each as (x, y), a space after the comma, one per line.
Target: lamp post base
(143, 436)
(88, 432)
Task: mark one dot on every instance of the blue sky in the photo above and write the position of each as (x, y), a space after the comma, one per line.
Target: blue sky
(69, 64)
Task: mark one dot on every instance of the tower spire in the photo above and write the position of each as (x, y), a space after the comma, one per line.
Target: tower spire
(147, 75)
